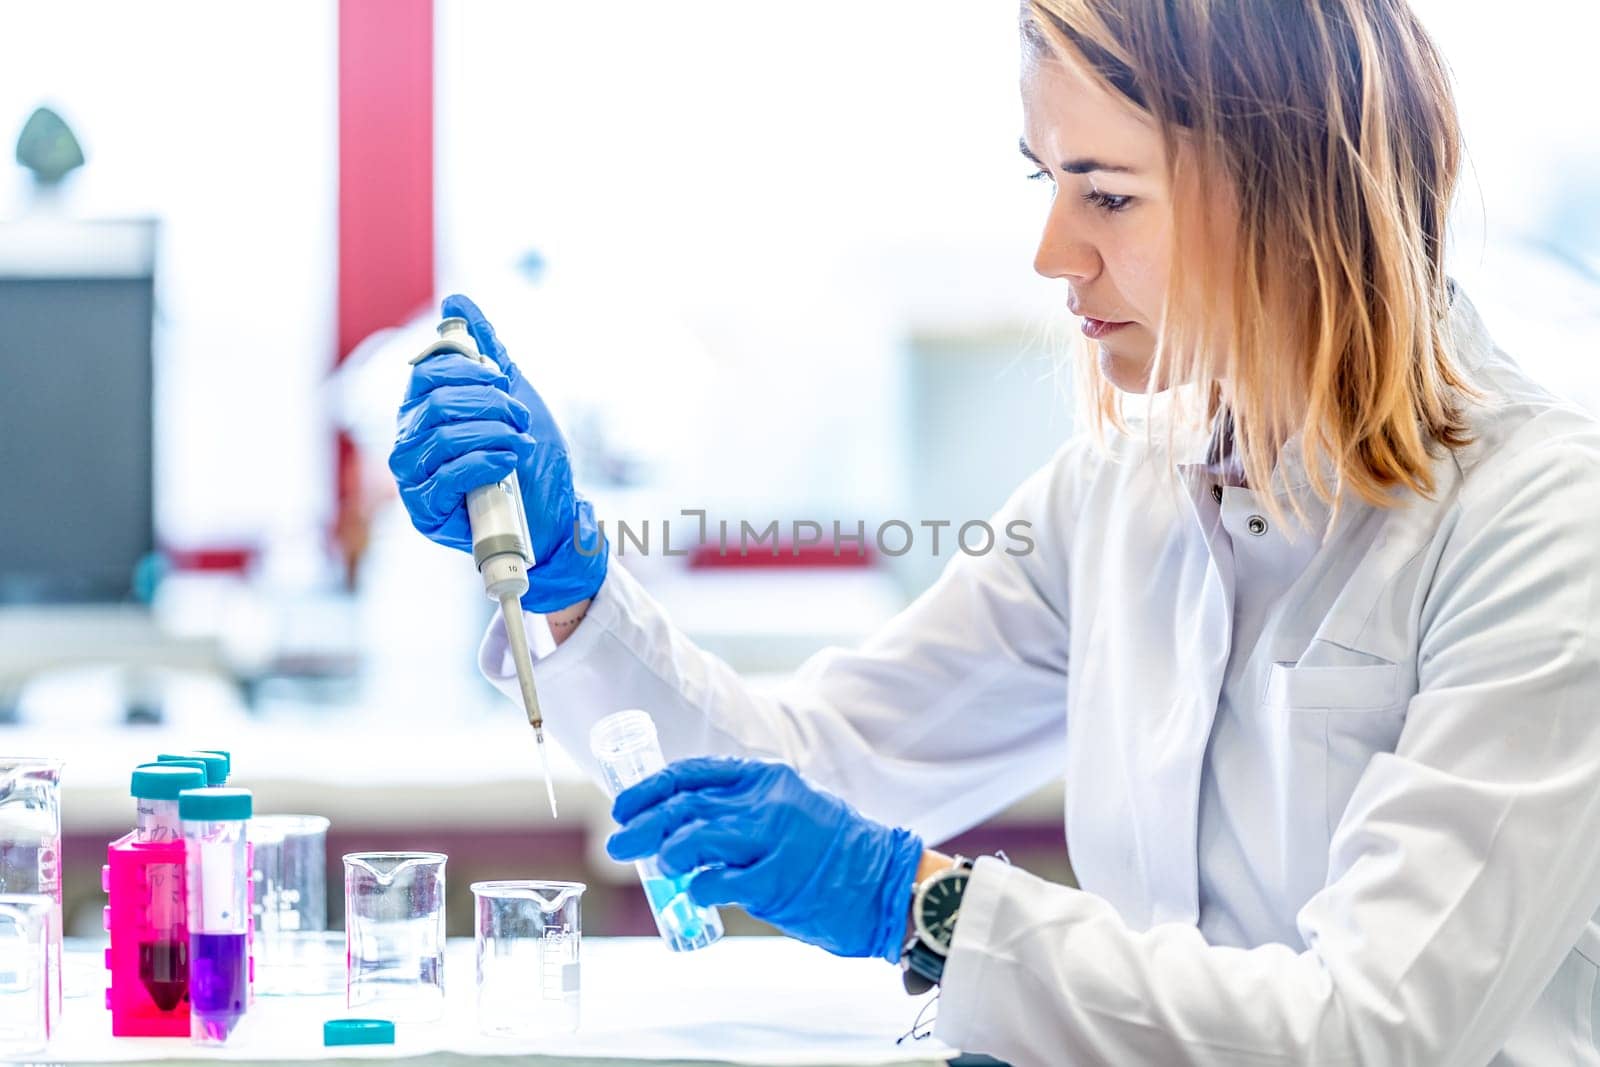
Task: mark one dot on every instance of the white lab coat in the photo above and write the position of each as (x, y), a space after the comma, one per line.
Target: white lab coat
(1331, 799)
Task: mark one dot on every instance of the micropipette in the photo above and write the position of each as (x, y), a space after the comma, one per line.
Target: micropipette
(501, 549)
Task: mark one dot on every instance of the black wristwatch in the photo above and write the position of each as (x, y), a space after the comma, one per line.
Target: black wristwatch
(935, 906)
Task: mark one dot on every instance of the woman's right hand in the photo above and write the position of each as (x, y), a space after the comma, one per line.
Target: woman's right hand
(463, 425)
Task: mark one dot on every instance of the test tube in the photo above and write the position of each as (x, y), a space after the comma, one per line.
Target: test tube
(628, 751)
(156, 787)
(214, 835)
(164, 958)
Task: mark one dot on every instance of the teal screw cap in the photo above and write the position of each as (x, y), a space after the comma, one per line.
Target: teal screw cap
(227, 757)
(358, 1032)
(214, 805)
(164, 781)
(216, 766)
(197, 764)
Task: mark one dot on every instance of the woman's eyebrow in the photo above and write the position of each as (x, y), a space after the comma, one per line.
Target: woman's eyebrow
(1075, 166)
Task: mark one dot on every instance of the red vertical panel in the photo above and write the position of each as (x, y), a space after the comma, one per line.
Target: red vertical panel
(385, 164)
(385, 196)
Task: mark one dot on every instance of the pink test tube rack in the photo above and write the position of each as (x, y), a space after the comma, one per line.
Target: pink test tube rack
(126, 880)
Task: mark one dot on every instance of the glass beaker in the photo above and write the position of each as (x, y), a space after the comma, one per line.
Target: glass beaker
(394, 933)
(30, 846)
(26, 920)
(528, 937)
(626, 747)
(291, 902)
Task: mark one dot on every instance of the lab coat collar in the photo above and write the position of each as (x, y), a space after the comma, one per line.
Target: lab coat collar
(1205, 455)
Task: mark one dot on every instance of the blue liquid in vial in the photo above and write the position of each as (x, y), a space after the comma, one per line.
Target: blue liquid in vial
(684, 924)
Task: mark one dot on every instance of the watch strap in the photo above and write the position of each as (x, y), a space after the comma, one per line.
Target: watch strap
(925, 964)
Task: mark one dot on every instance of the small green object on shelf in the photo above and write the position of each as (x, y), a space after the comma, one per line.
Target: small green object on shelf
(358, 1032)
(47, 147)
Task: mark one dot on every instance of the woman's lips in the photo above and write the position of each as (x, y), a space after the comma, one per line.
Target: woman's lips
(1098, 328)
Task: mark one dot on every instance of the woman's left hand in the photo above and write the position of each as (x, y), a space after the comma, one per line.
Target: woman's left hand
(789, 854)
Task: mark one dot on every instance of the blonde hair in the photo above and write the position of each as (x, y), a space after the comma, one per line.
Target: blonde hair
(1332, 125)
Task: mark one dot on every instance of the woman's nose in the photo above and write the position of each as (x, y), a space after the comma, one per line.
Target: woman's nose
(1063, 253)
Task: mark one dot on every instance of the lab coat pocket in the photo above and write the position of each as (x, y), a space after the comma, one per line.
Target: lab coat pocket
(1370, 687)
(1333, 721)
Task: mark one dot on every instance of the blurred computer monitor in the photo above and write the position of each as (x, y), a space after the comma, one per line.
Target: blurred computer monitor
(76, 462)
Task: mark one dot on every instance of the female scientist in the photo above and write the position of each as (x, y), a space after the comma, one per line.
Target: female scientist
(1309, 630)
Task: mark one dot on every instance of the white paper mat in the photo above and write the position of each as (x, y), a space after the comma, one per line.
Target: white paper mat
(748, 1000)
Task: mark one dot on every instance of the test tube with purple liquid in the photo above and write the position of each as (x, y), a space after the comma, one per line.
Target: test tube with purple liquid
(214, 823)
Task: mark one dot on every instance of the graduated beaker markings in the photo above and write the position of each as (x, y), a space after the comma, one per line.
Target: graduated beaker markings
(529, 938)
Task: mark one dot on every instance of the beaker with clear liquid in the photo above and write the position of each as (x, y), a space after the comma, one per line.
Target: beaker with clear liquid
(528, 935)
(30, 848)
(25, 1014)
(291, 910)
(628, 751)
(394, 933)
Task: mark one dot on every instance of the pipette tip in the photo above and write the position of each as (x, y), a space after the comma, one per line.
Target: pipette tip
(544, 764)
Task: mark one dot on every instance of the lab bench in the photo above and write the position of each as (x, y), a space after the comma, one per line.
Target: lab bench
(765, 1002)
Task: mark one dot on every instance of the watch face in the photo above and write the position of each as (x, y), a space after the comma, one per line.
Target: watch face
(937, 909)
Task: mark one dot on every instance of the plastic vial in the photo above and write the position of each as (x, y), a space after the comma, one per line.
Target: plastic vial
(214, 825)
(164, 958)
(626, 747)
(155, 791)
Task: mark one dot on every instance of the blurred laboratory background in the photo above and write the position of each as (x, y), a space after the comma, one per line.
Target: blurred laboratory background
(769, 261)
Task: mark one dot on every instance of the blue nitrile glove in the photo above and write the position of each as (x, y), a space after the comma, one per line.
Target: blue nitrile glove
(791, 855)
(464, 425)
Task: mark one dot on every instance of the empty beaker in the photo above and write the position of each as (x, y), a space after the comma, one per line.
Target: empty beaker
(528, 937)
(30, 847)
(291, 909)
(25, 1010)
(394, 933)
(625, 745)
